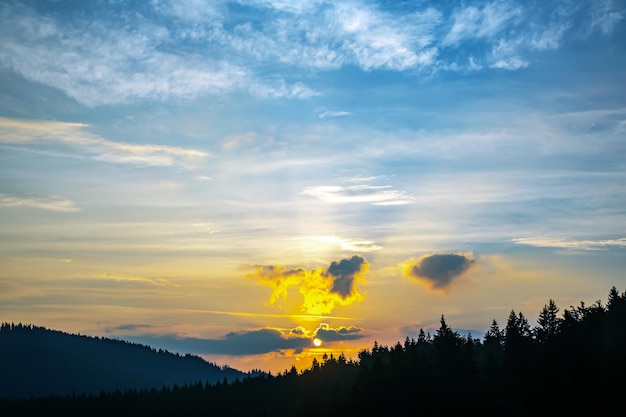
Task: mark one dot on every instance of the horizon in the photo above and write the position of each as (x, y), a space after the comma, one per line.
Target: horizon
(241, 178)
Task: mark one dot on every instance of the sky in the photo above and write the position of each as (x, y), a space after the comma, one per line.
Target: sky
(235, 179)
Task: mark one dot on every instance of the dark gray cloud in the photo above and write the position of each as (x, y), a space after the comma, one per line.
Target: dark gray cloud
(128, 327)
(439, 270)
(329, 334)
(234, 343)
(343, 274)
(275, 271)
(252, 342)
(299, 332)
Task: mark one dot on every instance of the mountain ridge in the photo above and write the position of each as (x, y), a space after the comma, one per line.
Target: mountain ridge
(42, 362)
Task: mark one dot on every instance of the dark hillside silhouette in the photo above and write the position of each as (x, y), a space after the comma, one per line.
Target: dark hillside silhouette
(37, 362)
(568, 365)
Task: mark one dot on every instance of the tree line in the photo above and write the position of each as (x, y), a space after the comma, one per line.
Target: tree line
(39, 362)
(566, 364)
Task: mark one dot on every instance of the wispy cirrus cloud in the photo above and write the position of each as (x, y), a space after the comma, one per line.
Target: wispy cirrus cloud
(484, 21)
(380, 40)
(378, 195)
(50, 203)
(352, 245)
(160, 282)
(76, 135)
(573, 244)
(510, 31)
(605, 15)
(190, 10)
(328, 35)
(189, 49)
(206, 227)
(104, 63)
(334, 113)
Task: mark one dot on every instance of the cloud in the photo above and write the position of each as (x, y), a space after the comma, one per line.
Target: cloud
(292, 6)
(128, 57)
(506, 55)
(59, 260)
(471, 22)
(510, 32)
(329, 334)
(438, 271)
(343, 274)
(345, 244)
(326, 36)
(275, 89)
(364, 179)
(605, 15)
(51, 203)
(195, 11)
(75, 135)
(100, 55)
(379, 40)
(300, 331)
(322, 290)
(378, 195)
(206, 227)
(330, 113)
(128, 327)
(160, 282)
(250, 342)
(565, 243)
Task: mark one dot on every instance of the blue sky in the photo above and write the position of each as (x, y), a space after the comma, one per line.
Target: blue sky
(207, 171)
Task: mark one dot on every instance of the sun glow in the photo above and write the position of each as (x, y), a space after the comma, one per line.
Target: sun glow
(317, 342)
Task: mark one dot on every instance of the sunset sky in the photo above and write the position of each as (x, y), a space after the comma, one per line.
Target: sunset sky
(236, 178)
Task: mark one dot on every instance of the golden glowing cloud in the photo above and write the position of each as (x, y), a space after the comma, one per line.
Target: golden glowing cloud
(322, 289)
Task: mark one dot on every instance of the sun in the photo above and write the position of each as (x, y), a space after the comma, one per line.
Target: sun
(317, 342)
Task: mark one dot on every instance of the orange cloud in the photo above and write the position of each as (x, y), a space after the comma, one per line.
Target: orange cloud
(322, 289)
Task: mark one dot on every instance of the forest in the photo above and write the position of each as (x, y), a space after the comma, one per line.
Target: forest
(569, 363)
(39, 362)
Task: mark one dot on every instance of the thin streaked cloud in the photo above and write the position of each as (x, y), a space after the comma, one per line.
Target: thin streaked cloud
(50, 203)
(159, 282)
(307, 317)
(76, 135)
(334, 113)
(352, 245)
(567, 243)
(378, 195)
(484, 21)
